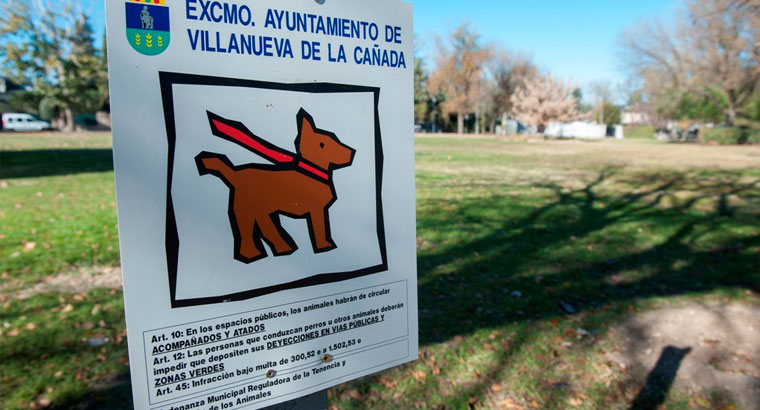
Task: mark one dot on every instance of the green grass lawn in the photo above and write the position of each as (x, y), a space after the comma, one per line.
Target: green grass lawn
(610, 228)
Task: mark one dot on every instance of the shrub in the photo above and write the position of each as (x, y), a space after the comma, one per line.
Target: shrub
(731, 136)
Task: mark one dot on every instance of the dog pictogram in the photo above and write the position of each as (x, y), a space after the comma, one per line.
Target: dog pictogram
(298, 185)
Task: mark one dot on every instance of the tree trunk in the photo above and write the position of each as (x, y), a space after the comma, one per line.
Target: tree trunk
(493, 124)
(460, 123)
(68, 119)
(477, 122)
(730, 113)
(504, 123)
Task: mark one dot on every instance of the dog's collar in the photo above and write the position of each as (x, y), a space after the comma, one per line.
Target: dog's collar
(313, 170)
(238, 133)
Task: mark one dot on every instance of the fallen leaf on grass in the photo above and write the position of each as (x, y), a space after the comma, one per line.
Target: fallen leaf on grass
(67, 308)
(13, 333)
(28, 246)
(575, 402)
(436, 371)
(102, 358)
(30, 326)
(388, 382)
(419, 375)
(495, 388)
(354, 394)
(509, 404)
(534, 404)
(58, 374)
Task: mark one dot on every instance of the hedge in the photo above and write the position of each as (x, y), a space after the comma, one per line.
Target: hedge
(731, 136)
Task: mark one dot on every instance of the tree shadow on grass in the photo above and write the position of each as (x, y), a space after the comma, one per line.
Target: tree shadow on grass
(557, 241)
(53, 162)
(111, 393)
(90, 376)
(589, 248)
(603, 244)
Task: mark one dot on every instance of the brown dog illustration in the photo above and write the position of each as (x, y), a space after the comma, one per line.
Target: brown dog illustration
(296, 185)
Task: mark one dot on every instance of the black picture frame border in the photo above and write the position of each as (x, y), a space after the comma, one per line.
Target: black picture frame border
(172, 241)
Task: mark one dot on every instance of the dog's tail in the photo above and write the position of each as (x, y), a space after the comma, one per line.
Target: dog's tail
(215, 164)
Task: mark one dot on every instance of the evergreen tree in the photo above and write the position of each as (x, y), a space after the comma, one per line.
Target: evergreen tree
(53, 50)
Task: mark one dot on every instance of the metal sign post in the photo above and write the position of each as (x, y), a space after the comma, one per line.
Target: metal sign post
(314, 401)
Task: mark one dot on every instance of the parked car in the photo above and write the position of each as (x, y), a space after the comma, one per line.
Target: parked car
(23, 122)
(426, 127)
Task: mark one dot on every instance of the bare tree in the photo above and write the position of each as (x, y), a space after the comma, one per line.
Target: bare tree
(713, 46)
(458, 73)
(602, 92)
(507, 72)
(543, 99)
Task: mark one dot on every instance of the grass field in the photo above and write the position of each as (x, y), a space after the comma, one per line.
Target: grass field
(512, 237)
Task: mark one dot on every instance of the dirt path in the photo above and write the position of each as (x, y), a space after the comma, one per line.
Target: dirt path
(703, 348)
(83, 280)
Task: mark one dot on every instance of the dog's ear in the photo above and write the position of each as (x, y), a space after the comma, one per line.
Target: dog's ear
(306, 126)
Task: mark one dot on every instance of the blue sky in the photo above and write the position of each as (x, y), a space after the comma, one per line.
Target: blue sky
(574, 39)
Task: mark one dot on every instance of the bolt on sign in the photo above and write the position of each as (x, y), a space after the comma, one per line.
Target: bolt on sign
(264, 162)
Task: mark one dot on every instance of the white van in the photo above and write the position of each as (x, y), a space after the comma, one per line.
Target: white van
(23, 122)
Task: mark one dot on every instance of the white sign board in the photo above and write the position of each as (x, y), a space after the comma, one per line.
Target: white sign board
(264, 161)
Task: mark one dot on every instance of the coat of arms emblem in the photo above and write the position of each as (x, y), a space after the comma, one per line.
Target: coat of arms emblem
(148, 26)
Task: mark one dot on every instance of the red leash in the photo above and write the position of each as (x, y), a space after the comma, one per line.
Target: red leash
(237, 132)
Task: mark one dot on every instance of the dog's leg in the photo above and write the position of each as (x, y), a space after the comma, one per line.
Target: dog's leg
(320, 231)
(249, 246)
(277, 238)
